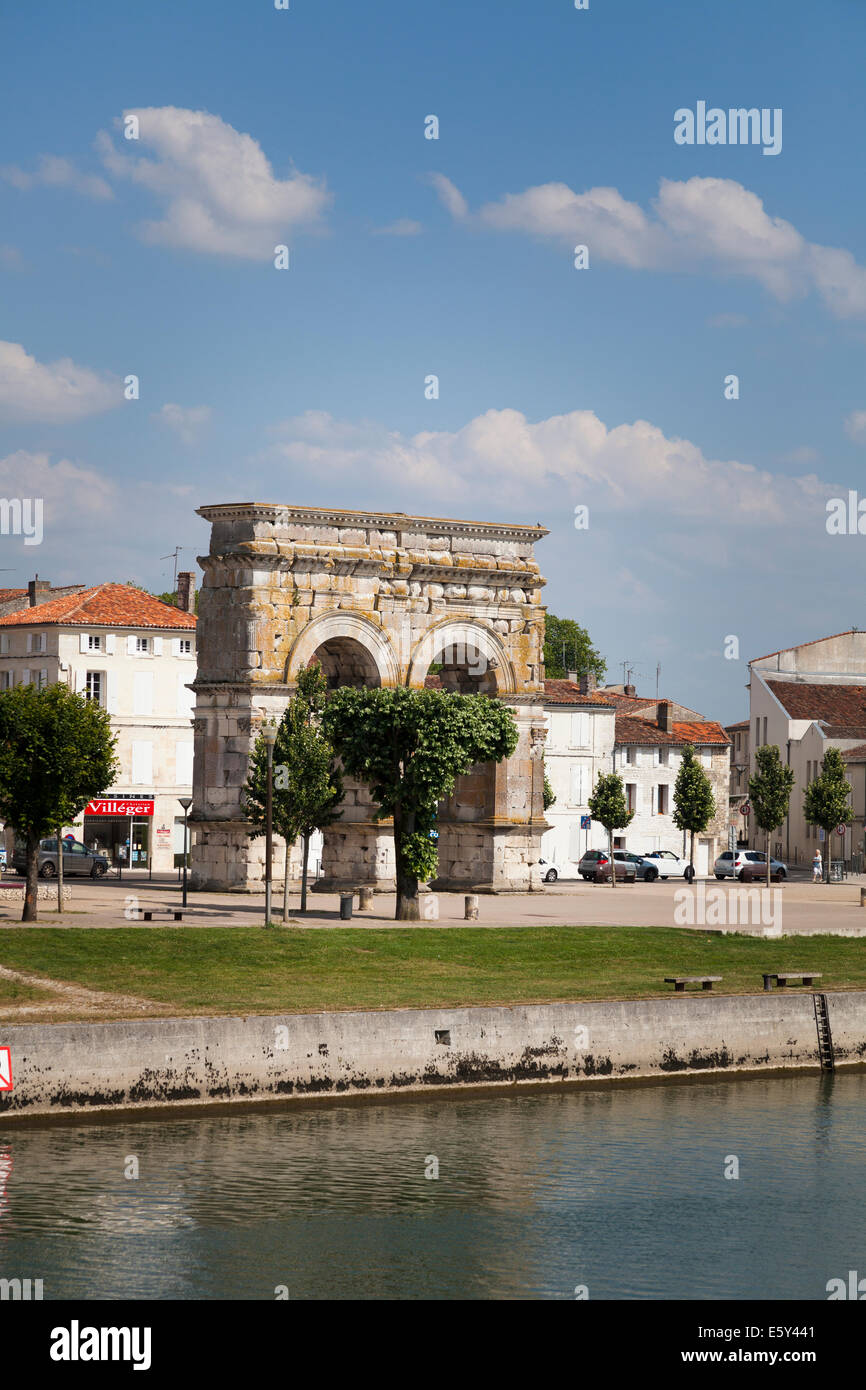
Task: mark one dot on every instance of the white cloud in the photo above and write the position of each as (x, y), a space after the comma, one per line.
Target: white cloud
(701, 223)
(450, 196)
(404, 226)
(66, 488)
(220, 193)
(501, 456)
(855, 426)
(54, 391)
(55, 172)
(187, 422)
(727, 321)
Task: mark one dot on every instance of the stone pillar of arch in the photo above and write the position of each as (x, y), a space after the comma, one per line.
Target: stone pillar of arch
(376, 598)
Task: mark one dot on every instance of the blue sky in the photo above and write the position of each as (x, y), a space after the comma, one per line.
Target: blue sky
(558, 387)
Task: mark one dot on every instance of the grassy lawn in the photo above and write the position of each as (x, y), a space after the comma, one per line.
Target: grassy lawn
(13, 992)
(250, 970)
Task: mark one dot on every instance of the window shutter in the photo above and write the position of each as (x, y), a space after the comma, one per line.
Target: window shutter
(25, 677)
(4, 644)
(183, 764)
(83, 644)
(43, 678)
(111, 692)
(157, 646)
(185, 698)
(80, 682)
(175, 646)
(142, 763)
(130, 646)
(110, 643)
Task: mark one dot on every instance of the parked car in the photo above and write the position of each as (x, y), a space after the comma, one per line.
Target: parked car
(77, 859)
(644, 867)
(595, 865)
(748, 864)
(669, 865)
(552, 869)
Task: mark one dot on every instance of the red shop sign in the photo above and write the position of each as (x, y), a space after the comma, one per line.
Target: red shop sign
(119, 808)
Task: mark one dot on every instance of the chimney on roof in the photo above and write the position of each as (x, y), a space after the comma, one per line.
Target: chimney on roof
(186, 591)
(571, 676)
(629, 690)
(36, 587)
(665, 716)
(588, 683)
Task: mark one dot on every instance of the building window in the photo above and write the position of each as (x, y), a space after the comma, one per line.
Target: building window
(42, 679)
(765, 728)
(94, 687)
(631, 796)
(37, 642)
(663, 800)
(706, 759)
(8, 680)
(631, 756)
(664, 756)
(185, 646)
(757, 733)
(142, 644)
(94, 642)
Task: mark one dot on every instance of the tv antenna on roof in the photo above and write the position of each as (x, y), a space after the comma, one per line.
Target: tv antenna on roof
(174, 554)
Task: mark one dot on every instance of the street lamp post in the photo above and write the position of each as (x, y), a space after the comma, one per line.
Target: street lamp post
(186, 802)
(269, 734)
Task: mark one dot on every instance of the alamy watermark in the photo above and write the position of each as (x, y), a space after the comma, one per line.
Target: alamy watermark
(736, 126)
(727, 907)
(22, 516)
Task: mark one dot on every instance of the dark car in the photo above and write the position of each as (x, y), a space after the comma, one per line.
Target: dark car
(77, 859)
(644, 868)
(595, 866)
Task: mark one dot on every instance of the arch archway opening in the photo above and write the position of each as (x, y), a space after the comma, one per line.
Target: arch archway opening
(462, 667)
(345, 661)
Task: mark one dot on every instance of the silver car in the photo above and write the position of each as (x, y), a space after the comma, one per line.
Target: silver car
(77, 859)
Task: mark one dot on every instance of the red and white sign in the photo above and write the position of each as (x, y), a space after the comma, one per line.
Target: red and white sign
(840, 829)
(745, 809)
(5, 1069)
(119, 808)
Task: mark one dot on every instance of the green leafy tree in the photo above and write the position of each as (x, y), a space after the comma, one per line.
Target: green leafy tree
(770, 792)
(307, 783)
(56, 754)
(170, 597)
(549, 798)
(827, 801)
(694, 803)
(608, 806)
(410, 746)
(567, 648)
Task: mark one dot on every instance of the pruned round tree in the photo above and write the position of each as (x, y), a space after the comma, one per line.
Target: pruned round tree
(828, 800)
(307, 783)
(694, 803)
(410, 746)
(770, 792)
(608, 806)
(56, 754)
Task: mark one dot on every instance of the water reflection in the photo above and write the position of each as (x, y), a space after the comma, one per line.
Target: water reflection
(620, 1189)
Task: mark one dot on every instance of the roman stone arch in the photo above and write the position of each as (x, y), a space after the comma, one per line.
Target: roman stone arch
(341, 634)
(478, 644)
(376, 598)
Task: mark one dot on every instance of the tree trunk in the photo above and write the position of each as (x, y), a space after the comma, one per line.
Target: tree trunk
(692, 855)
(827, 852)
(286, 884)
(768, 859)
(31, 902)
(407, 908)
(304, 872)
(59, 870)
(612, 860)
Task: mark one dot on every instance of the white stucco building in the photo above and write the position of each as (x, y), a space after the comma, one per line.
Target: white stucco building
(805, 699)
(136, 657)
(608, 730)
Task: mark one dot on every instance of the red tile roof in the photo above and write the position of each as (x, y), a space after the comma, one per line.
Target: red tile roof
(630, 729)
(565, 692)
(6, 594)
(842, 706)
(105, 605)
(735, 728)
(855, 755)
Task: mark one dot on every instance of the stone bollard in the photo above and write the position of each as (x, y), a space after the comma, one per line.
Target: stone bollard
(346, 903)
(428, 907)
(470, 907)
(365, 899)
(863, 897)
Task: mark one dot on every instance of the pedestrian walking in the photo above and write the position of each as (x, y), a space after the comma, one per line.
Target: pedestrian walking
(817, 867)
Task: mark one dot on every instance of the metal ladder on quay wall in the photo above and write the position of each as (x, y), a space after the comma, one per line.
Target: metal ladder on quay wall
(825, 1037)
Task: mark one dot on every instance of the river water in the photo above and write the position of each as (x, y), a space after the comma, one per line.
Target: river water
(618, 1190)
